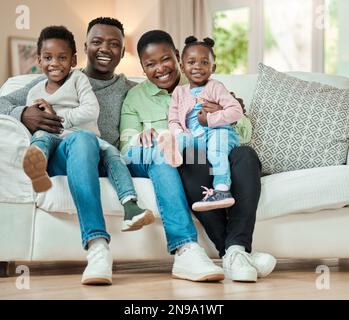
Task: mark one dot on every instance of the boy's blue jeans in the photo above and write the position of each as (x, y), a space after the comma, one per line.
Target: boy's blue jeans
(83, 158)
(171, 200)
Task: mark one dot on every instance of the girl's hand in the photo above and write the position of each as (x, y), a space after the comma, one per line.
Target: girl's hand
(210, 107)
(202, 117)
(145, 138)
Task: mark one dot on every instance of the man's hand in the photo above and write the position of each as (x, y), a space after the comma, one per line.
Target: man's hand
(145, 138)
(36, 119)
(202, 117)
(210, 107)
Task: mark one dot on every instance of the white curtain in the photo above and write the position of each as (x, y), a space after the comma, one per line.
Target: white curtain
(182, 18)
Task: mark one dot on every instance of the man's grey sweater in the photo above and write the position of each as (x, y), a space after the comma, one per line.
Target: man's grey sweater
(110, 95)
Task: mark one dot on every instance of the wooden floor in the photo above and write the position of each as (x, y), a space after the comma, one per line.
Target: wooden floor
(152, 281)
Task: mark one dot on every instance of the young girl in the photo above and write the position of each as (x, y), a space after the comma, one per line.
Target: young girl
(69, 93)
(192, 123)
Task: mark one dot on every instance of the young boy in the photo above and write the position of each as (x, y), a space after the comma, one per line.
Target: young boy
(68, 93)
(191, 124)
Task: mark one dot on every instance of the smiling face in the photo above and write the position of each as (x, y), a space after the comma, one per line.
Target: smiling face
(56, 60)
(160, 63)
(198, 65)
(104, 48)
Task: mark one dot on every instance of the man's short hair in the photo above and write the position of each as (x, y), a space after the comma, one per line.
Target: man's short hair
(108, 21)
(56, 32)
(154, 36)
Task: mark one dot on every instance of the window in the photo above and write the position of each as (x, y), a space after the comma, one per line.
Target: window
(335, 37)
(288, 34)
(230, 32)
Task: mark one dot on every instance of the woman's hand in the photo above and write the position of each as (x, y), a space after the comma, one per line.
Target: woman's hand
(145, 138)
(202, 117)
(241, 101)
(210, 107)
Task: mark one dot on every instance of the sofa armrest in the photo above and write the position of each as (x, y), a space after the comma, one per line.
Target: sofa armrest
(15, 186)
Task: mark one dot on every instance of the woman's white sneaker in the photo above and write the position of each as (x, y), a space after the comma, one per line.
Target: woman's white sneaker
(264, 263)
(238, 266)
(192, 263)
(99, 270)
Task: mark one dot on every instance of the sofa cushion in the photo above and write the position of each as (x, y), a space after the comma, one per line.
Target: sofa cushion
(59, 199)
(282, 194)
(298, 124)
(244, 85)
(15, 186)
(18, 82)
(337, 81)
(303, 191)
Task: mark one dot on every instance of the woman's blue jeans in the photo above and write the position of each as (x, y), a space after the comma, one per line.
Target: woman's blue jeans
(171, 200)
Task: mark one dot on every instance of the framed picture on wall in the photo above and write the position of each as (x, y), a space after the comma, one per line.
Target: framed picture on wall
(23, 56)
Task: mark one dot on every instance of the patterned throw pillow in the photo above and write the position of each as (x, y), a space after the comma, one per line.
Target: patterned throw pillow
(298, 124)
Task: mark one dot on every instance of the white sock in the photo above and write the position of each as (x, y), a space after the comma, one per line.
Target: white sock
(128, 198)
(98, 241)
(221, 187)
(189, 245)
(235, 247)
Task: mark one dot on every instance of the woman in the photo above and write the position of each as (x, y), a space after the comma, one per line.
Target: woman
(144, 116)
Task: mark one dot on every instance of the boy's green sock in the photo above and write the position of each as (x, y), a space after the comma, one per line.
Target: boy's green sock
(131, 209)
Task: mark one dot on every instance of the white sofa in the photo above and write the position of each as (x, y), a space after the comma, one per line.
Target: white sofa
(301, 214)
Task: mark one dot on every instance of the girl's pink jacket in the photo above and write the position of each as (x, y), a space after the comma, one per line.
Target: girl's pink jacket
(183, 102)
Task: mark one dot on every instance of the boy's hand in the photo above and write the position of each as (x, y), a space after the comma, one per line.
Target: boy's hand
(44, 106)
(202, 117)
(210, 107)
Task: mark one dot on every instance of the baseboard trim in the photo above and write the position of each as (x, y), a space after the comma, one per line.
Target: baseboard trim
(7, 269)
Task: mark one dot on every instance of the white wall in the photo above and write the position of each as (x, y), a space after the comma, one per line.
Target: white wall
(74, 14)
(138, 16)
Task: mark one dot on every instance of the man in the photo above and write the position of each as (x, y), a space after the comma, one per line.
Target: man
(78, 157)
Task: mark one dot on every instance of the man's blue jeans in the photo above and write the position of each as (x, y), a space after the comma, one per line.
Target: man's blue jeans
(83, 158)
(170, 196)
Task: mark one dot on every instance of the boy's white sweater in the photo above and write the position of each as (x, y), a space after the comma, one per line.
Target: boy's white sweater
(75, 101)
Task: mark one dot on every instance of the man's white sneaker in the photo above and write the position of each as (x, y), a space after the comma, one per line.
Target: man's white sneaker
(192, 263)
(99, 266)
(238, 266)
(263, 262)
